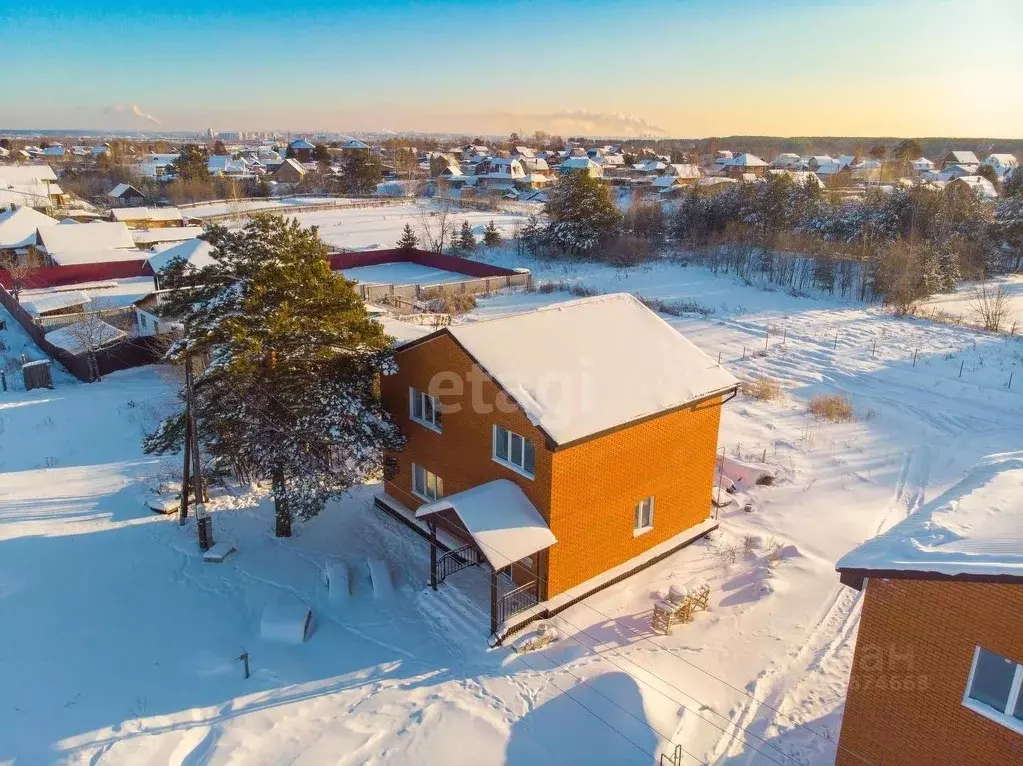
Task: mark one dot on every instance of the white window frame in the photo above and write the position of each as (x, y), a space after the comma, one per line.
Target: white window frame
(415, 394)
(508, 462)
(1003, 717)
(438, 484)
(638, 527)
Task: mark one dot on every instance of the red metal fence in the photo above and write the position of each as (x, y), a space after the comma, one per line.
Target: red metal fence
(57, 276)
(421, 257)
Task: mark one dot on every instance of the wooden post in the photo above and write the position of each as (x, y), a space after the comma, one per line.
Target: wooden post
(185, 476)
(493, 601)
(245, 659)
(961, 365)
(200, 490)
(1010, 379)
(874, 349)
(836, 341)
(433, 553)
(915, 351)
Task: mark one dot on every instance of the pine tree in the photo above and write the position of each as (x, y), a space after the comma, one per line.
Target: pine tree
(531, 235)
(466, 241)
(192, 163)
(491, 236)
(289, 392)
(581, 212)
(361, 171)
(408, 240)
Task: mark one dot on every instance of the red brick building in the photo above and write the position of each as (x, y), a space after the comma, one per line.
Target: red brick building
(937, 675)
(560, 446)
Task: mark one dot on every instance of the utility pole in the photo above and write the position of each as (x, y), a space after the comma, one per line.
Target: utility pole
(200, 489)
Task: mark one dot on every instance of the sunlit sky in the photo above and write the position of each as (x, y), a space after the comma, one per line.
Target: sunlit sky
(600, 67)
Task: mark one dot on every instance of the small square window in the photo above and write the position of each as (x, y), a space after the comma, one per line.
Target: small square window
(514, 451)
(643, 519)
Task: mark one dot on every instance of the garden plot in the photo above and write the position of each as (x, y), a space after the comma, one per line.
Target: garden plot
(402, 274)
(132, 656)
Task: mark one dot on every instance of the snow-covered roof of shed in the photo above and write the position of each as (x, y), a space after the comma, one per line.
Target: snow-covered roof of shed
(120, 189)
(586, 366)
(502, 521)
(193, 251)
(101, 334)
(166, 234)
(25, 174)
(106, 255)
(108, 235)
(976, 528)
(43, 303)
(18, 227)
(146, 214)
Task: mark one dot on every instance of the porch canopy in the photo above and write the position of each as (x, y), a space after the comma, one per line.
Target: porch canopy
(501, 520)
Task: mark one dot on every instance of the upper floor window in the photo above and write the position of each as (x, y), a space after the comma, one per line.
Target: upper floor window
(423, 409)
(994, 689)
(514, 451)
(643, 516)
(428, 486)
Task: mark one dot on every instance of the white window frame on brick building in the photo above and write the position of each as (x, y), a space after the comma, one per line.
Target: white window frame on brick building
(521, 460)
(424, 409)
(643, 516)
(426, 485)
(1011, 714)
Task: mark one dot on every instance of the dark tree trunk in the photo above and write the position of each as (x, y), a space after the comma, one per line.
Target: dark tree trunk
(282, 512)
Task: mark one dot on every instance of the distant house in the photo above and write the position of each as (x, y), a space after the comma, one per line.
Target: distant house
(967, 159)
(800, 177)
(355, 145)
(32, 186)
(581, 164)
(745, 163)
(506, 487)
(498, 174)
(302, 150)
(126, 194)
(937, 675)
(157, 166)
(977, 184)
(524, 152)
(444, 161)
(226, 165)
(291, 171)
(786, 161)
(921, 165)
(1002, 164)
(148, 217)
(952, 172)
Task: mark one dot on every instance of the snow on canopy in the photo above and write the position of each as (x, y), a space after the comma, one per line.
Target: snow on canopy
(101, 334)
(195, 252)
(500, 518)
(976, 528)
(90, 236)
(18, 227)
(582, 367)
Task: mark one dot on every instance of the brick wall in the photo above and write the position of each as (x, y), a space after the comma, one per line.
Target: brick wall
(598, 483)
(913, 655)
(587, 492)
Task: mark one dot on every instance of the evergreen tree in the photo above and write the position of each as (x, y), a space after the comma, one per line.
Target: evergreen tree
(408, 240)
(1014, 183)
(491, 236)
(321, 154)
(192, 163)
(466, 241)
(531, 235)
(581, 212)
(361, 171)
(219, 148)
(289, 392)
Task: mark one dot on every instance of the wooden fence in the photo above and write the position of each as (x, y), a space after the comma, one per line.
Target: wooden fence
(293, 209)
(479, 286)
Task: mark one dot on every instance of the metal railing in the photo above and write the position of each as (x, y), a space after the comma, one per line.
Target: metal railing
(516, 600)
(456, 560)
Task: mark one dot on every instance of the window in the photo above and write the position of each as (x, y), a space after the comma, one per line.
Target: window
(425, 484)
(993, 689)
(643, 520)
(514, 451)
(423, 409)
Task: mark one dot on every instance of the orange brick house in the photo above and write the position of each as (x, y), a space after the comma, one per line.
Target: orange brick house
(937, 675)
(564, 447)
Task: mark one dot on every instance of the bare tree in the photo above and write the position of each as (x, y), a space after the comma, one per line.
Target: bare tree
(18, 271)
(991, 305)
(90, 334)
(436, 227)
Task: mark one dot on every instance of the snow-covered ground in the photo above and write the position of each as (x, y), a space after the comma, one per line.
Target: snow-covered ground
(203, 209)
(120, 644)
(377, 228)
(402, 274)
(963, 302)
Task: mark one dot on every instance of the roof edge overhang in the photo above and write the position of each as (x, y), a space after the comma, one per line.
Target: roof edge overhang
(855, 577)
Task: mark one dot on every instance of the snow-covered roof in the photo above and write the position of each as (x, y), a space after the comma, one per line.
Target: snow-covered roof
(502, 521)
(25, 174)
(100, 333)
(194, 251)
(167, 234)
(979, 185)
(586, 366)
(974, 529)
(102, 255)
(665, 182)
(680, 170)
(120, 189)
(301, 143)
(18, 227)
(747, 160)
(89, 236)
(354, 144)
(146, 214)
(44, 303)
(963, 158)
